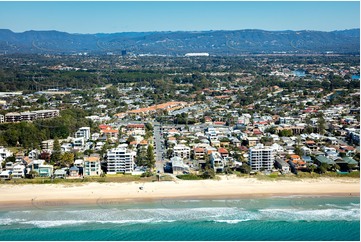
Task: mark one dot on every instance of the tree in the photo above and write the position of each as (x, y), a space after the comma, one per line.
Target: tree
(141, 158)
(112, 92)
(66, 159)
(148, 127)
(298, 150)
(208, 173)
(312, 167)
(56, 154)
(323, 168)
(245, 168)
(130, 139)
(150, 156)
(33, 174)
(285, 133)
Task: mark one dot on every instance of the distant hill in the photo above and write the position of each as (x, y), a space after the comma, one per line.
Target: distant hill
(182, 42)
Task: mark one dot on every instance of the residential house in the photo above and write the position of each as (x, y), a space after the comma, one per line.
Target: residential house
(79, 143)
(223, 152)
(178, 165)
(252, 141)
(181, 150)
(282, 165)
(4, 153)
(321, 159)
(92, 166)
(297, 161)
(34, 154)
(217, 162)
(47, 144)
(60, 173)
(198, 153)
(74, 172)
(18, 171)
(135, 129)
(41, 168)
(311, 145)
(347, 163)
(5, 175)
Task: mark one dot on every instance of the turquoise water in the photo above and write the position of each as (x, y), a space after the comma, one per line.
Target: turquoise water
(277, 218)
(355, 77)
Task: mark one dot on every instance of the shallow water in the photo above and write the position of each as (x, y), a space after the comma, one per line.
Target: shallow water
(276, 218)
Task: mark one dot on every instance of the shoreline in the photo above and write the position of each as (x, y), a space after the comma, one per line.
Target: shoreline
(107, 203)
(43, 196)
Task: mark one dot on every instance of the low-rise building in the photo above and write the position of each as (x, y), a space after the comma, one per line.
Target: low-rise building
(92, 166)
(41, 168)
(18, 171)
(178, 165)
(181, 151)
(4, 153)
(83, 132)
(217, 162)
(282, 165)
(135, 129)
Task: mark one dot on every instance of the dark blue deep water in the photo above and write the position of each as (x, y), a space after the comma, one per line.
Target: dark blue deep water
(279, 218)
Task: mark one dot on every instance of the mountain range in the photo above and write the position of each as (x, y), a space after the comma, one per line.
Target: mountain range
(235, 42)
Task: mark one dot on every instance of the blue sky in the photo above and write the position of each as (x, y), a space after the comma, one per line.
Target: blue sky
(110, 17)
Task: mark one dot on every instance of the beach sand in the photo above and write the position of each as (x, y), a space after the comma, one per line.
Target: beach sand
(44, 195)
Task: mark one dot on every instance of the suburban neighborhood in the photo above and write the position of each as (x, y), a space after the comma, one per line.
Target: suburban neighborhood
(242, 126)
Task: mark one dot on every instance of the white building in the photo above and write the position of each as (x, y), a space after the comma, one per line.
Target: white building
(18, 171)
(4, 153)
(261, 157)
(217, 162)
(92, 166)
(120, 160)
(2, 118)
(182, 151)
(196, 54)
(83, 132)
(178, 165)
(79, 143)
(34, 154)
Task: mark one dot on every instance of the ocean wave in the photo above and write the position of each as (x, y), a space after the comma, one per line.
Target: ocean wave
(59, 223)
(229, 221)
(310, 214)
(9, 221)
(54, 223)
(331, 211)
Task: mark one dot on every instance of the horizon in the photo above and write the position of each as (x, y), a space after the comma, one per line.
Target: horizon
(170, 16)
(170, 31)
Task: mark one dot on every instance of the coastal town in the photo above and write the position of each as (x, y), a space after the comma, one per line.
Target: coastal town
(283, 118)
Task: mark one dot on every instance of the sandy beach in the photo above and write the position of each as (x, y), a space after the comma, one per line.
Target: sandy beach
(227, 187)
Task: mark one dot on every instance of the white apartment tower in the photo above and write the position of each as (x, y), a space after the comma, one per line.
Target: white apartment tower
(83, 132)
(120, 160)
(261, 157)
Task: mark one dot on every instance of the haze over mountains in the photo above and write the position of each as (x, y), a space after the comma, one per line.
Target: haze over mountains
(235, 42)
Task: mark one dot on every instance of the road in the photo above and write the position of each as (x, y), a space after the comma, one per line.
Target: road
(158, 138)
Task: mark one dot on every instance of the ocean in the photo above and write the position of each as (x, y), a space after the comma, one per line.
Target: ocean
(289, 218)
